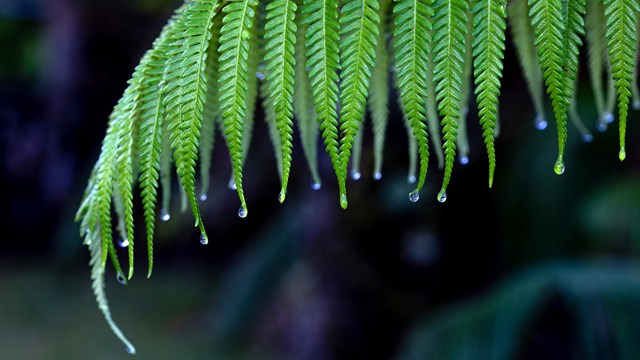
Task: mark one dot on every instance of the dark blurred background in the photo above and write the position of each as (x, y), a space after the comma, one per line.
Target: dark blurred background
(304, 280)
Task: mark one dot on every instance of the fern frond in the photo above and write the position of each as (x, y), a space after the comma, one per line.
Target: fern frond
(549, 27)
(321, 18)
(303, 105)
(272, 125)
(596, 48)
(488, 50)
(411, 41)
(622, 18)
(523, 39)
(234, 52)
(280, 34)
(433, 119)
(356, 156)
(185, 95)
(359, 30)
(465, 92)
(379, 94)
(254, 74)
(211, 114)
(573, 17)
(450, 20)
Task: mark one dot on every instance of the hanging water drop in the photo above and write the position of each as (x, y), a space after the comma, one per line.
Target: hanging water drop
(123, 243)
(232, 185)
(130, 349)
(559, 167)
(602, 127)
(442, 196)
(608, 118)
(203, 197)
(356, 175)
(164, 215)
(411, 179)
(204, 240)
(242, 212)
(540, 123)
(121, 279)
(316, 186)
(587, 137)
(464, 160)
(414, 196)
(377, 176)
(282, 196)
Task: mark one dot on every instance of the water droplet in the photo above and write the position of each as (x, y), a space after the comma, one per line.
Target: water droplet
(356, 175)
(464, 160)
(123, 243)
(414, 196)
(602, 127)
(377, 176)
(282, 196)
(442, 196)
(130, 349)
(540, 123)
(622, 155)
(587, 137)
(121, 279)
(204, 240)
(411, 179)
(246, 34)
(203, 197)
(242, 212)
(232, 185)
(343, 201)
(164, 215)
(636, 105)
(559, 167)
(608, 118)
(316, 186)
(260, 75)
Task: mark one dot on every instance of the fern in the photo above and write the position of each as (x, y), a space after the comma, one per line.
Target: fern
(465, 92)
(359, 28)
(488, 51)
(523, 39)
(411, 39)
(281, 39)
(450, 19)
(596, 48)
(303, 105)
(622, 18)
(321, 18)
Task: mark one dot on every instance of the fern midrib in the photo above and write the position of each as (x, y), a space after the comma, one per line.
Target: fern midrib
(327, 81)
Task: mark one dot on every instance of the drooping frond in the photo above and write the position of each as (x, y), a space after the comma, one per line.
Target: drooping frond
(573, 17)
(234, 52)
(303, 105)
(523, 39)
(433, 118)
(465, 92)
(359, 30)
(322, 46)
(356, 156)
(622, 18)
(272, 125)
(450, 20)
(379, 93)
(488, 51)
(596, 48)
(280, 34)
(211, 114)
(549, 27)
(411, 39)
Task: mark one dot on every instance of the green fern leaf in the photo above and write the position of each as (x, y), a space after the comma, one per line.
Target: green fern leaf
(321, 18)
(573, 17)
(359, 29)
(596, 48)
(523, 39)
(379, 93)
(280, 31)
(411, 39)
(622, 18)
(303, 105)
(549, 27)
(488, 51)
(211, 114)
(450, 19)
(272, 126)
(433, 119)
(465, 92)
(234, 52)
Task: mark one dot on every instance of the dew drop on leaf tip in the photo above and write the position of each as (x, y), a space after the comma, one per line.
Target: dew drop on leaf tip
(377, 176)
(123, 243)
(540, 123)
(203, 239)
(442, 196)
(316, 186)
(121, 279)
(203, 197)
(242, 212)
(356, 175)
(414, 197)
(464, 160)
(411, 179)
(165, 216)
